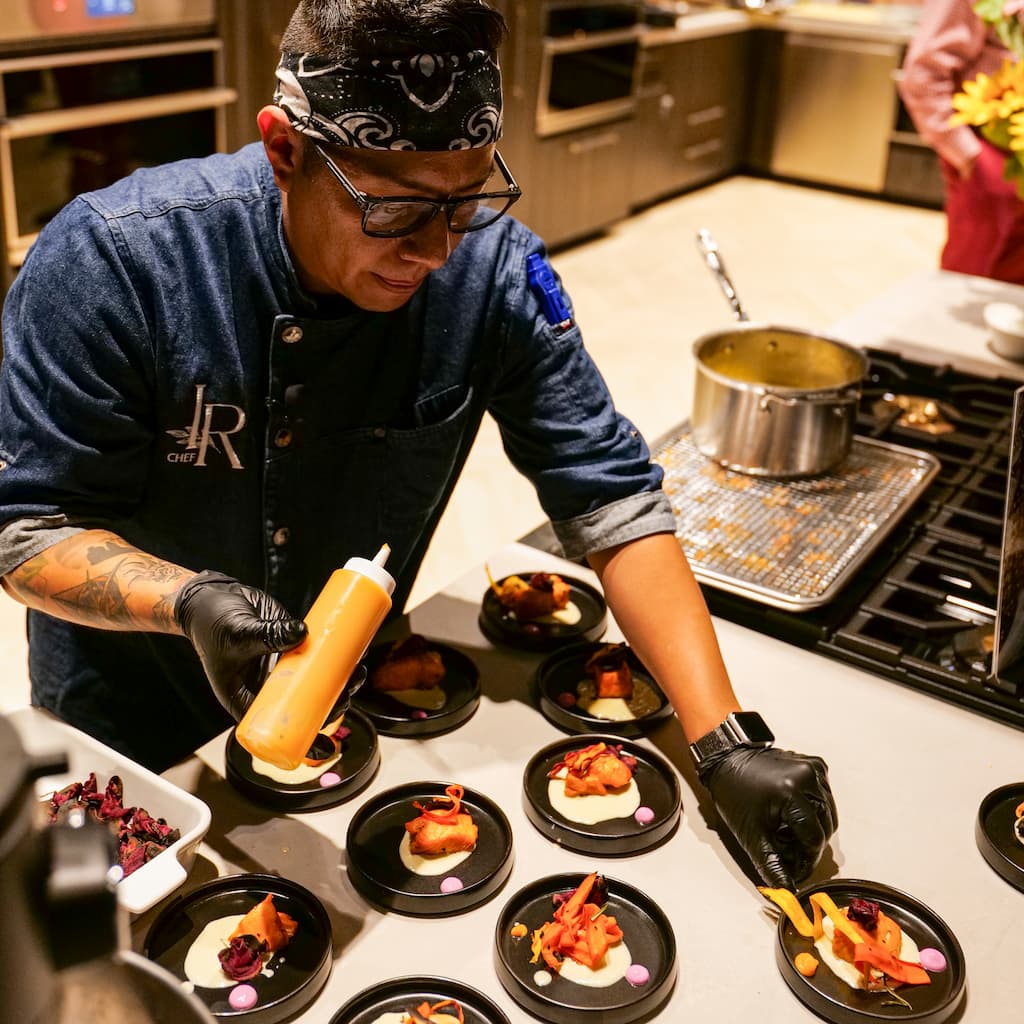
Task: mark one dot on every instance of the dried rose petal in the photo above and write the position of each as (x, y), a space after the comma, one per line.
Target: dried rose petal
(243, 959)
(864, 913)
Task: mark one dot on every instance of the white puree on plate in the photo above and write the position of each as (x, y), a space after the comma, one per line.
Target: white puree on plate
(616, 963)
(846, 971)
(567, 616)
(616, 709)
(439, 864)
(294, 776)
(592, 808)
(430, 699)
(201, 964)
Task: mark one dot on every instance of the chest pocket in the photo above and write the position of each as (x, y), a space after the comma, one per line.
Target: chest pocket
(419, 463)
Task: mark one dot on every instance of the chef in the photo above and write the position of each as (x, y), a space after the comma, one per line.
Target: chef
(224, 377)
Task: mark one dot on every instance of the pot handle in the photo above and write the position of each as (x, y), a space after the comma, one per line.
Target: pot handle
(842, 398)
(709, 250)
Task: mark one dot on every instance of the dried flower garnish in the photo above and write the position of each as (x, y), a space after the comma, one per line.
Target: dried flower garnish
(865, 913)
(243, 958)
(140, 837)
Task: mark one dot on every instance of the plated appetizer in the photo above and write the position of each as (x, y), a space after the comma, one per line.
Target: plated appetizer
(594, 784)
(409, 664)
(861, 945)
(232, 950)
(544, 596)
(610, 689)
(582, 943)
(140, 837)
(1018, 823)
(441, 837)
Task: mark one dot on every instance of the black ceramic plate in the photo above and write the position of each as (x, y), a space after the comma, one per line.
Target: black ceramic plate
(646, 932)
(994, 832)
(836, 1001)
(659, 794)
(500, 626)
(376, 869)
(399, 995)
(461, 686)
(360, 758)
(299, 970)
(558, 677)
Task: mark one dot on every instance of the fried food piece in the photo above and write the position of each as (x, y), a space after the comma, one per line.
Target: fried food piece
(410, 664)
(440, 828)
(268, 924)
(581, 929)
(594, 770)
(610, 670)
(542, 594)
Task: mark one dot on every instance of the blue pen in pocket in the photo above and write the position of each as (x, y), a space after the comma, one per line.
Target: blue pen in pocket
(542, 281)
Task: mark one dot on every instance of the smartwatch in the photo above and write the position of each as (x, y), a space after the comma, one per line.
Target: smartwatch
(740, 729)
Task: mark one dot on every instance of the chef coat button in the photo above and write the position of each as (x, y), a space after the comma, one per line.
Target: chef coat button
(281, 536)
(283, 438)
(380, 432)
(291, 334)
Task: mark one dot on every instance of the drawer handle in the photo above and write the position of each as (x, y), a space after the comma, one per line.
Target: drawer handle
(702, 149)
(578, 146)
(715, 113)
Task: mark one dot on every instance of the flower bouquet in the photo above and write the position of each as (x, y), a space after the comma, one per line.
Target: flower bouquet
(994, 104)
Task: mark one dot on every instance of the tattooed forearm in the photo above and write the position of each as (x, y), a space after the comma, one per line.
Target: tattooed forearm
(97, 579)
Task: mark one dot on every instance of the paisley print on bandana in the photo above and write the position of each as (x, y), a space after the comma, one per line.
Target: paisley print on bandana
(431, 101)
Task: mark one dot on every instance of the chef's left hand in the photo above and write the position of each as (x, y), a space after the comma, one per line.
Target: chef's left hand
(778, 805)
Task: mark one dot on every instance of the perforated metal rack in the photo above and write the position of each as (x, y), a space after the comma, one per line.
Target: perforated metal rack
(789, 544)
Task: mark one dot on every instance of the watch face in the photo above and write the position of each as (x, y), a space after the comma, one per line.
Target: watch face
(753, 727)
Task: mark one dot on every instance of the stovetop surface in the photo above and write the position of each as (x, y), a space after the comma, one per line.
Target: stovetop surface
(922, 608)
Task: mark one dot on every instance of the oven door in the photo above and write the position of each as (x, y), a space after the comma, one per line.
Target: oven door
(587, 79)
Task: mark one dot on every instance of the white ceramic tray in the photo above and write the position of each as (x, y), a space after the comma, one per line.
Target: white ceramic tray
(41, 732)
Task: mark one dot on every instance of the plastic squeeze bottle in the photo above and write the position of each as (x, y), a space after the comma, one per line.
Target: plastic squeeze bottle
(292, 705)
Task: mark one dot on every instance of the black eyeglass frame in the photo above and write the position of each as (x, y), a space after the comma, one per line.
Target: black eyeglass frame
(366, 201)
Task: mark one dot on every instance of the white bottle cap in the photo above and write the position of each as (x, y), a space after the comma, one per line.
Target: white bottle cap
(375, 569)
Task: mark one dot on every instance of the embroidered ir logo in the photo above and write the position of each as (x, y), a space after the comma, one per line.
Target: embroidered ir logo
(210, 421)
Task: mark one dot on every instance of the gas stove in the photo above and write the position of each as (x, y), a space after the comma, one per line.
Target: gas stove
(921, 609)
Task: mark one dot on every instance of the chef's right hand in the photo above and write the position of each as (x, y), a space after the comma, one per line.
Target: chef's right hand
(235, 629)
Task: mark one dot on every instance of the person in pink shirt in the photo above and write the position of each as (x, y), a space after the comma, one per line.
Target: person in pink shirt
(984, 214)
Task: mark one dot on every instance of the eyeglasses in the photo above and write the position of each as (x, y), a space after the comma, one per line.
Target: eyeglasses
(394, 216)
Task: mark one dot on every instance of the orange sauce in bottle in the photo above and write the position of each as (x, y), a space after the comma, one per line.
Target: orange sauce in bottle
(292, 705)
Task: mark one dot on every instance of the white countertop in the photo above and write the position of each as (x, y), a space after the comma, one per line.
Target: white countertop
(908, 772)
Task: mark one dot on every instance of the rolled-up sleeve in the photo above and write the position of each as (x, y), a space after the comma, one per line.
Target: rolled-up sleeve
(590, 465)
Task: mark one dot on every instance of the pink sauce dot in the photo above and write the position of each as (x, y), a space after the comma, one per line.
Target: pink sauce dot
(330, 779)
(644, 815)
(418, 714)
(242, 997)
(637, 974)
(932, 960)
(451, 884)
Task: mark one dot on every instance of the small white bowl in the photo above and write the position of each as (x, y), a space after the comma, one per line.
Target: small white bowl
(1006, 322)
(40, 732)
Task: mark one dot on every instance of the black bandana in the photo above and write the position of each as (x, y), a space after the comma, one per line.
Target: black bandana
(432, 101)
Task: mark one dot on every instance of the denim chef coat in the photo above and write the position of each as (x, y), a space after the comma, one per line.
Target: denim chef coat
(165, 376)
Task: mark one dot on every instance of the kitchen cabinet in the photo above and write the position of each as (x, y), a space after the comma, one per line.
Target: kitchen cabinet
(692, 114)
(579, 182)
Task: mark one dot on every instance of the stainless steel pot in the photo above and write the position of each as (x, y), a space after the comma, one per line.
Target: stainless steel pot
(772, 401)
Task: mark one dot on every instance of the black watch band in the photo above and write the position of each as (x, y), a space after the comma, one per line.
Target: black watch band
(740, 729)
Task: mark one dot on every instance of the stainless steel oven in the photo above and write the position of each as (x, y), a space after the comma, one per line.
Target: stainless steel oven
(589, 64)
(90, 90)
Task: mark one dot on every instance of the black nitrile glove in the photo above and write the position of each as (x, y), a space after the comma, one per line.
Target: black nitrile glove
(779, 807)
(235, 629)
